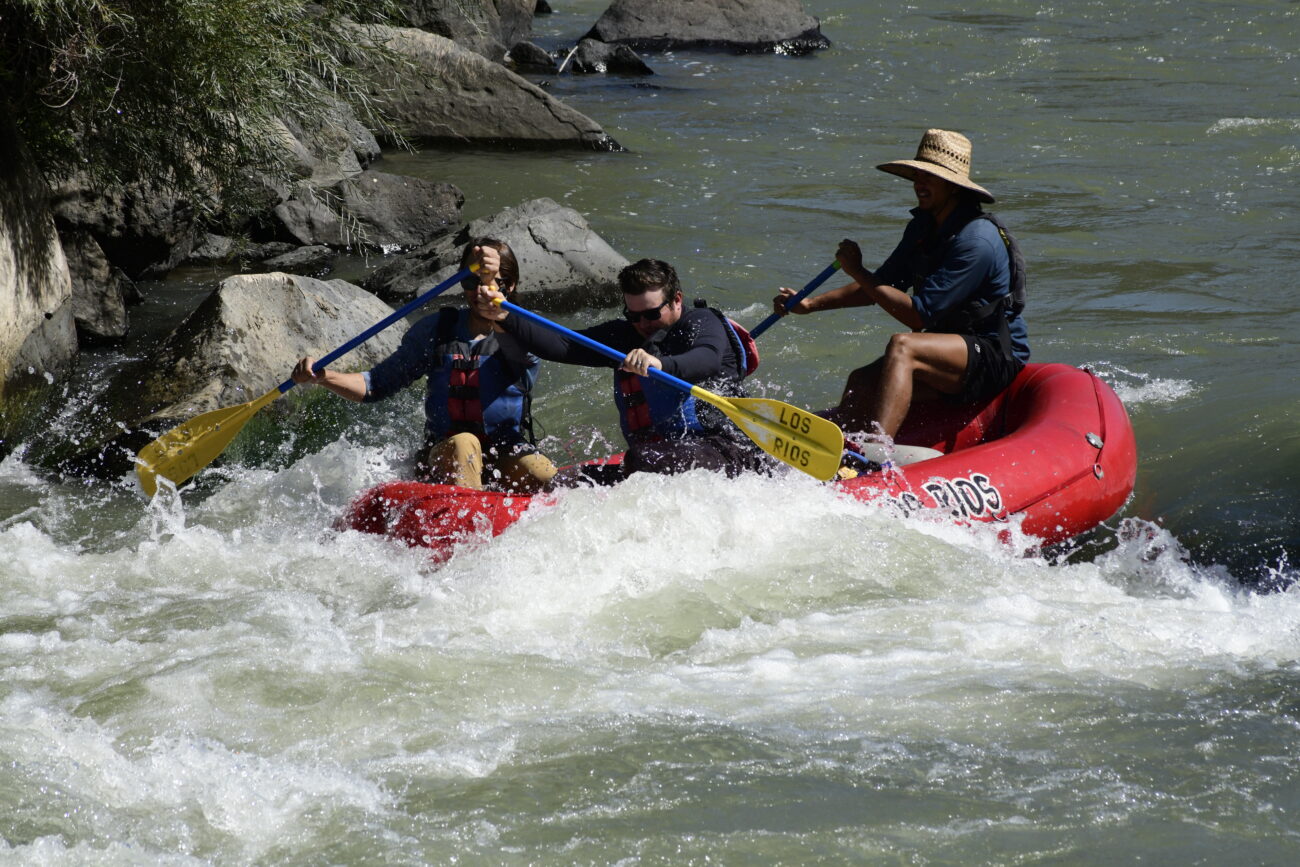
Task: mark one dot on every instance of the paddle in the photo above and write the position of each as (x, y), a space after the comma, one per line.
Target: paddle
(192, 445)
(796, 298)
(805, 441)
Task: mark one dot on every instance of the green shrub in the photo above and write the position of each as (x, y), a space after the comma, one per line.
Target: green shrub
(180, 92)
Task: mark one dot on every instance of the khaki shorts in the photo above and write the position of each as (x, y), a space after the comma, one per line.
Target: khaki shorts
(461, 460)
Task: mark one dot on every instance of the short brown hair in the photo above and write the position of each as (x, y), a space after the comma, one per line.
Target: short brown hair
(645, 275)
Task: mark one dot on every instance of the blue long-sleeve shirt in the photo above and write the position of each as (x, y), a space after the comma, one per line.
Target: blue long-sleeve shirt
(506, 376)
(963, 261)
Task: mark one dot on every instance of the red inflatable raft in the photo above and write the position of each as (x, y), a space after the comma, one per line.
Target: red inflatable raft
(1056, 449)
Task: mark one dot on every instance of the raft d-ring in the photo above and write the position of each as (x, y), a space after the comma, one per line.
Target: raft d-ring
(1095, 441)
(1098, 471)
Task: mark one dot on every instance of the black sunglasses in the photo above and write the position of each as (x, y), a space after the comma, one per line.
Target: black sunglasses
(651, 314)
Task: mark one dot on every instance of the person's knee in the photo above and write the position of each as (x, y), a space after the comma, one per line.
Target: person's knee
(466, 448)
(527, 474)
(457, 460)
(902, 348)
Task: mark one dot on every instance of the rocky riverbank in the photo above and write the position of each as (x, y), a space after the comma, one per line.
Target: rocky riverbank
(71, 255)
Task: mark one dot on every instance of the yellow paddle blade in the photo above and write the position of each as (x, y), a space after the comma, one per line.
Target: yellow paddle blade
(805, 441)
(192, 445)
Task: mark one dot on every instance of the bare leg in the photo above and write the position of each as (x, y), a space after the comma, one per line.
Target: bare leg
(915, 366)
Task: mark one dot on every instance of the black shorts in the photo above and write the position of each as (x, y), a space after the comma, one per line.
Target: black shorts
(988, 371)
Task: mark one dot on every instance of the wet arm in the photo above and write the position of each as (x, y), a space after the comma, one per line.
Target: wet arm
(553, 346)
(349, 385)
(707, 350)
(895, 302)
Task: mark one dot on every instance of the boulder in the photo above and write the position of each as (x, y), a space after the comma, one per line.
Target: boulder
(372, 209)
(598, 58)
(240, 343)
(528, 57)
(237, 253)
(563, 264)
(38, 340)
(100, 290)
(742, 26)
(318, 155)
(144, 229)
(339, 146)
(449, 94)
(483, 26)
(244, 339)
(312, 261)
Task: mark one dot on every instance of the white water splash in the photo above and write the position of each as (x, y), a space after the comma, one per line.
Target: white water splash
(1135, 388)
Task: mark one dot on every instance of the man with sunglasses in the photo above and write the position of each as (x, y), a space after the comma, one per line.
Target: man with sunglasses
(666, 430)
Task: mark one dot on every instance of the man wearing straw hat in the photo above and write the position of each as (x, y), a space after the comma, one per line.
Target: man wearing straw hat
(967, 340)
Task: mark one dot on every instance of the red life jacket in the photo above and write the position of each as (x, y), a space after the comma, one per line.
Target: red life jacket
(464, 405)
(647, 408)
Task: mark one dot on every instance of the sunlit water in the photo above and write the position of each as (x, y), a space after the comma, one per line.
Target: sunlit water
(683, 671)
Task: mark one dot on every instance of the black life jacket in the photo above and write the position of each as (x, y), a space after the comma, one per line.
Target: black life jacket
(969, 318)
(745, 347)
(650, 408)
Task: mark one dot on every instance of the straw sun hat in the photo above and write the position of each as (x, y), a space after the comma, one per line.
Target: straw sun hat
(943, 154)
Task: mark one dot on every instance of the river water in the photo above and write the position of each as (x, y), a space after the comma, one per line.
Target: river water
(680, 671)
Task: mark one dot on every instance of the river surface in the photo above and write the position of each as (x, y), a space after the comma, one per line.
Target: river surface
(677, 671)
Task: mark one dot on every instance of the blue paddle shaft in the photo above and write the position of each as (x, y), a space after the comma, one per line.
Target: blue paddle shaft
(404, 310)
(596, 346)
(795, 299)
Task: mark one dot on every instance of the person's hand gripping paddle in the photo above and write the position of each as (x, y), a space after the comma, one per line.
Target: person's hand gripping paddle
(190, 446)
(795, 299)
(794, 436)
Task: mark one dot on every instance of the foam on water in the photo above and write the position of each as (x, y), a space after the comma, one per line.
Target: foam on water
(239, 666)
(1135, 388)
(752, 672)
(257, 679)
(1249, 124)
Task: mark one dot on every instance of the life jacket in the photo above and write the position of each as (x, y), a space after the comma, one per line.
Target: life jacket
(969, 318)
(648, 408)
(741, 340)
(465, 372)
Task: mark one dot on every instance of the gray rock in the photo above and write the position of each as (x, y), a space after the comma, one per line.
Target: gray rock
(318, 155)
(482, 26)
(744, 26)
(236, 253)
(239, 344)
(145, 230)
(372, 209)
(337, 147)
(598, 58)
(563, 264)
(527, 57)
(313, 261)
(38, 340)
(211, 249)
(244, 339)
(100, 291)
(452, 95)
